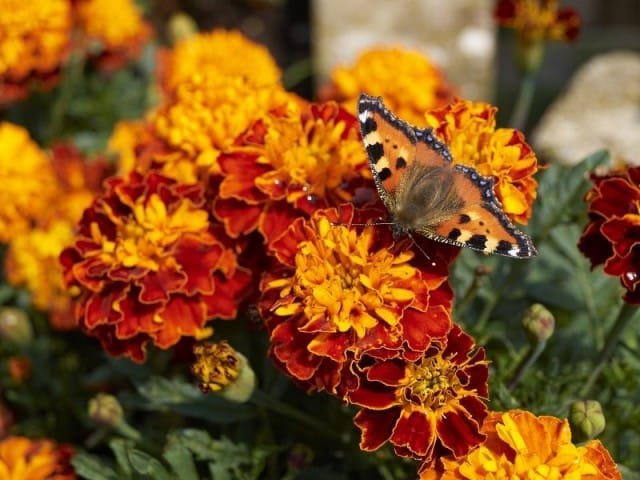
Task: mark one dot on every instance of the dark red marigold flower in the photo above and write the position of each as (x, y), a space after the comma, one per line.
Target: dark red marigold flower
(150, 266)
(612, 237)
(289, 164)
(426, 406)
(336, 292)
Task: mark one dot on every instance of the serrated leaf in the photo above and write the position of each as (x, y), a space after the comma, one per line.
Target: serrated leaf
(91, 467)
(181, 461)
(145, 464)
(120, 449)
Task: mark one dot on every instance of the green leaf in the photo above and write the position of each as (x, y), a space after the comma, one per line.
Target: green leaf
(120, 448)
(628, 474)
(91, 467)
(145, 464)
(181, 460)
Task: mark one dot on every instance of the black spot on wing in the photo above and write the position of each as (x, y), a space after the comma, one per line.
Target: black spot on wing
(384, 174)
(368, 126)
(477, 241)
(454, 234)
(367, 103)
(464, 218)
(503, 247)
(400, 163)
(375, 151)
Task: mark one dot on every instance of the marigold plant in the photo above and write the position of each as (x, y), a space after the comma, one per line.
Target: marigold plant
(150, 267)
(469, 130)
(521, 445)
(30, 459)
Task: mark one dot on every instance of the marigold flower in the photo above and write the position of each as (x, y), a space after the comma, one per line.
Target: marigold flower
(35, 38)
(535, 20)
(202, 120)
(521, 445)
(609, 238)
(117, 26)
(127, 138)
(31, 459)
(337, 292)
(426, 406)
(223, 53)
(149, 266)
(407, 80)
(289, 164)
(27, 178)
(469, 130)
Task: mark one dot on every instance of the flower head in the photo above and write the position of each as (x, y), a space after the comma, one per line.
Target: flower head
(535, 20)
(337, 292)
(30, 459)
(149, 266)
(117, 26)
(611, 236)
(27, 178)
(521, 445)
(426, 406)
(288, 164)
(223, 53)
(35, 39)
(409, 82)
(469, 130)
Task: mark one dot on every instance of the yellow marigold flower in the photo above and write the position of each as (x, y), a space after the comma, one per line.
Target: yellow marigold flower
(220, 368)
(117, 24)
(204, 118)
(407, 80)
(126, 136)
(27, 179)
(469, 130)
(29, 459)
(521, 445)
(224, 53)
(34, 41)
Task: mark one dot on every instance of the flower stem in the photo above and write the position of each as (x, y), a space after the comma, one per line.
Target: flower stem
(529, 359)
(520, 112)
(627, 312)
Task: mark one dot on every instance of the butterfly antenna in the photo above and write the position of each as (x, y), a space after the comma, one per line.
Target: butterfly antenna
(433, 264)
(336, 224)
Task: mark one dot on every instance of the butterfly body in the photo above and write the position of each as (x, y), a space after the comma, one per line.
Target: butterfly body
(425, 192)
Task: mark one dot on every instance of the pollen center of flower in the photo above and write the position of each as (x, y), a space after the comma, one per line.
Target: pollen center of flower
(433, 384)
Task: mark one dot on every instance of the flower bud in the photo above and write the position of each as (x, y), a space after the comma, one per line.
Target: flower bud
(221, 369)
(19, 368)
(529, 55)
(15, 326)
(586, 419)
(538, 323)
(300, 457)
(181, 26)
(105, 409)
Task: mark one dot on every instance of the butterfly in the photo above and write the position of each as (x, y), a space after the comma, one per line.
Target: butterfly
(425, 192)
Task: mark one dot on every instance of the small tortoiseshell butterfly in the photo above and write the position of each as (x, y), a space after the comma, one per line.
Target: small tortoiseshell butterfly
(426, 193)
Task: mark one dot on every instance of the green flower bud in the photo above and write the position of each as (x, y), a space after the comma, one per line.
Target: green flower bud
(586, 419)
(529, 55)
(538, 323)
(15, 326)
(181, 26)
(105, 409)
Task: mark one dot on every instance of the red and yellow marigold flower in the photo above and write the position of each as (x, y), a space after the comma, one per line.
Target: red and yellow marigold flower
(611, 237)
(35, 38)
(469, 130)
(150, 267)
(224, 53)
(27, 178)
(289, 164)
(521, 445)
(427, 406)
(337, 292)
(536, 20)
(407, 80)
(117, 26)
(202, 120)
(30, 459)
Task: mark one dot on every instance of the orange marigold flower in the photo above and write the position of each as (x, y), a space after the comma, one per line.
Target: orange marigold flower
(521, 445)
(126, 140)
(611, 237)
(31, 459)
(117, 26)
(27, 179)
(469, 130)
(535, 20)
(426, 406)
(337, 292)
(202, 120)
(35, 38)
(149, 266)
(224, 53)
(289, 164)
(409, 82)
